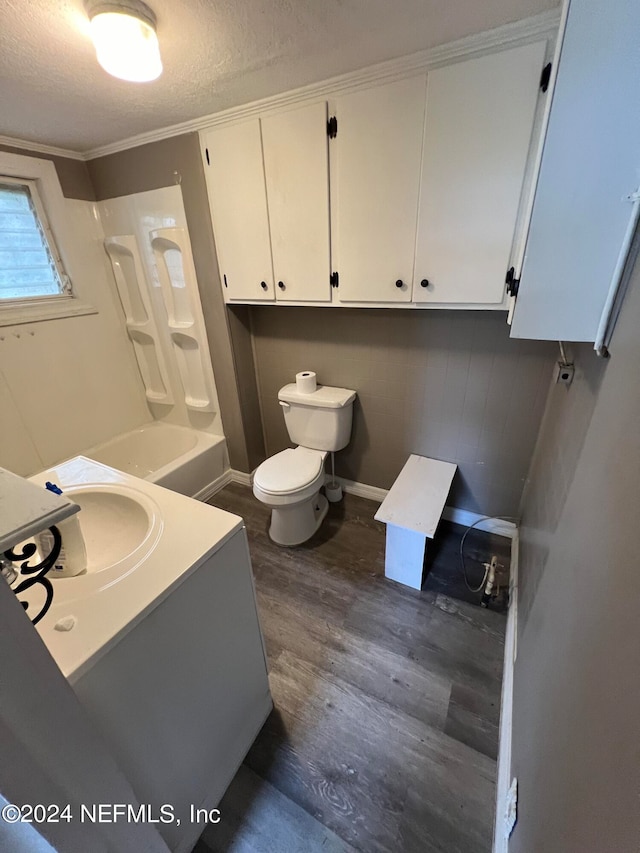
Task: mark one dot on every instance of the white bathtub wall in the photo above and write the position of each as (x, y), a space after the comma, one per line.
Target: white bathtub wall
(67, 384)
(139, 214)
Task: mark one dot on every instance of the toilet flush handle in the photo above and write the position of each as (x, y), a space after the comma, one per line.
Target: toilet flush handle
(284, 404)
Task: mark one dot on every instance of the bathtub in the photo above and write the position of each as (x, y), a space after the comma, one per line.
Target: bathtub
(179, 458)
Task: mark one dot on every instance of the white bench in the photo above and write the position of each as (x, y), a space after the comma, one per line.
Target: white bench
(411, 511)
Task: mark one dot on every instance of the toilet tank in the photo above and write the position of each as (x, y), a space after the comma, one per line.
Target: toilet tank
(321, 420)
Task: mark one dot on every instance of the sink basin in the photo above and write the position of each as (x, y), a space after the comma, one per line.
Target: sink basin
(121, 526)
(114, 524)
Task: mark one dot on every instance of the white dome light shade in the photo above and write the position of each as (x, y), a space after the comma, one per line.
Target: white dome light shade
(126, 43)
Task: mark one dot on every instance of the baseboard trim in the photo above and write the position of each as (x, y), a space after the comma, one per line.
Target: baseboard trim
(491, 525)
(213, 487)
(362, 490)
(458, 516)
(373, 493)
(241, 477)
(500, 843)
(228, 476)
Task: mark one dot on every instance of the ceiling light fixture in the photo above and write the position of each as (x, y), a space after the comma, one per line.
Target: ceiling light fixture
(124, 35)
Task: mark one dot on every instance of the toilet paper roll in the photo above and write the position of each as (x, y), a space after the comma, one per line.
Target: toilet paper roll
(306, 382)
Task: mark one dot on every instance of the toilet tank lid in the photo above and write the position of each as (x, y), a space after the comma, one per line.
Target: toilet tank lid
(325, 396)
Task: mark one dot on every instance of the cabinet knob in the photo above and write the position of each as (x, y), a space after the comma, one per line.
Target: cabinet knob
(264, 285)
(424, 282)
(399, 283)
(281, 285)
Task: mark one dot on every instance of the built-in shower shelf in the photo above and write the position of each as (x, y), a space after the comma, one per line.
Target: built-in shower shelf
(141, 327)
(202, 405)
(179, 288)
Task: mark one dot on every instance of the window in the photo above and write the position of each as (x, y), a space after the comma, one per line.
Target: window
(37, 234)
(30, 265)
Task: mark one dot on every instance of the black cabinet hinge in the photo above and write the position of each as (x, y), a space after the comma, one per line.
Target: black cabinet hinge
(334, 279)
(512, 282)
(225, 280)
(206, 151)
(545, 77)
(332, 127)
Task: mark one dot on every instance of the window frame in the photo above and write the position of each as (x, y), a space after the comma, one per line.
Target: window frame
(66, 288)
(42, 179)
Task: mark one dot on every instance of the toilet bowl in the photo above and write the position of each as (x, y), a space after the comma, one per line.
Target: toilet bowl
(289, 482)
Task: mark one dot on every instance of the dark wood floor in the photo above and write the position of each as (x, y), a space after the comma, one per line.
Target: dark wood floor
(385, 728)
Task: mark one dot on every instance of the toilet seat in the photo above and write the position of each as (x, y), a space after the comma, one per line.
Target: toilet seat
(290, 471)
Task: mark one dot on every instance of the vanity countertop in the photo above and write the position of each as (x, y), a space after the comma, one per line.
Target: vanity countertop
(108, 600)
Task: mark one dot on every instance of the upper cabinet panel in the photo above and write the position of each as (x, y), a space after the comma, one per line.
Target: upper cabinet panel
(478, 129)
(582, 215)
(235, 181)
(297, 178)
(377, 156)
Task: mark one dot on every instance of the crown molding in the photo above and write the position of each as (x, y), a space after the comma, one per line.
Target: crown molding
(25, 144)
(540, 26)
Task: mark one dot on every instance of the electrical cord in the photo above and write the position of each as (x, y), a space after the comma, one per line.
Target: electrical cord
(464, 536)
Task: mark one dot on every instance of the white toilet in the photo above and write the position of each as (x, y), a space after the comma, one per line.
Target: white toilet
(290, 481)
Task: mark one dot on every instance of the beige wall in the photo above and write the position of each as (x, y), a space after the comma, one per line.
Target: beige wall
(162, 164)
(562, 433)
(72, 174)
(69, 383)
(446, 384)
(576, 686)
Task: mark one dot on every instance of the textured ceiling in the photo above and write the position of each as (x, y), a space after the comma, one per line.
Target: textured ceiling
(216, 54)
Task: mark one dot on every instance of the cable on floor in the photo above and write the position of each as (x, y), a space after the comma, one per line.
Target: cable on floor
(464, 536)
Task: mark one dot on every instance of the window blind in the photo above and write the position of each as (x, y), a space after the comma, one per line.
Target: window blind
(27, 269)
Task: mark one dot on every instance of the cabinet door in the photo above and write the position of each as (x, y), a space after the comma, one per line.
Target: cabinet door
(582, 217)
(297, 177)
(377, 152)
(478, 128)
(235, 182)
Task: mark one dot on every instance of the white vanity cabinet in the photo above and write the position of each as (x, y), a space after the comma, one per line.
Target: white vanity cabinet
(584, 213)
(478, 127)
(377, 177)
(268, 183)
(238, 201)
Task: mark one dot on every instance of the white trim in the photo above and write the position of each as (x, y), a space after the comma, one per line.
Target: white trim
(38, 310)
(463, 517)
(458, 516)
(43, 174)
(335, 303)
(241, 477)
(544, 25)
(228, 476)
(500, 843)
(491, 525)
(530, 29)
(362, 490)
(219, 483)
(39, 148)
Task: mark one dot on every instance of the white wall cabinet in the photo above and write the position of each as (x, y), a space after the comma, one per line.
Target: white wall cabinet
(582, 217)
(378, 152)
(478, 127)
(413, 203)
(238, 201)
(268, 183)
(296, 167)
